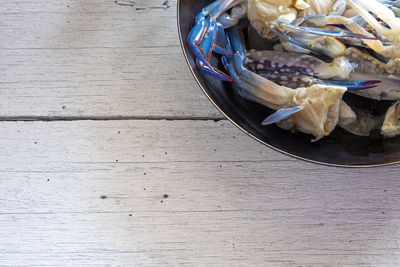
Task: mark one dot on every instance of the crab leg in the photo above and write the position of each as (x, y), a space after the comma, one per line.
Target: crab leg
(320, 45)
(318, 40)
(204, 65)
(202, 39)
(330, 31)
(292, 44)
(208, 35)
(383, 12)
(213, 72)
(363, 9)
(355, 25)
(195, 37)
(281, 115)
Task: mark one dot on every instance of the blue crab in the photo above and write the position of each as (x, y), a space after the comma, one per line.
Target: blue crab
(302, 26)
(268, 17)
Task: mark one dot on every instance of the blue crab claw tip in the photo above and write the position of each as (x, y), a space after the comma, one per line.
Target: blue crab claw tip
(281, 114)
(353, 85)
(361, 85)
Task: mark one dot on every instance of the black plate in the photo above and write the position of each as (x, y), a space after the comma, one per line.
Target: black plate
(338, 149)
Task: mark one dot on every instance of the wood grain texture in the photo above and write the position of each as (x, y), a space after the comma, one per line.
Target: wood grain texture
(145, 191)
(184, 193)
(102, 58)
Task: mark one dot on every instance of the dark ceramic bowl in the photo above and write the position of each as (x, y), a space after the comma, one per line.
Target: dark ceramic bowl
(338, 149)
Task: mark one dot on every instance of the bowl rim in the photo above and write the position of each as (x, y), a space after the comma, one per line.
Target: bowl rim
(251, 135)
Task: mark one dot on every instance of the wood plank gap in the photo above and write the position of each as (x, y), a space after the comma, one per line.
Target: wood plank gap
(109, 118)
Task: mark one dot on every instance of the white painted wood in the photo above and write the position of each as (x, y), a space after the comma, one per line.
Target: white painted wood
(155, 192)
(100, 58)
(93, 193)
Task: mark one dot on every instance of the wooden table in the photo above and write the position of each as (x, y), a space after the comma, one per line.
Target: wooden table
(112, 156)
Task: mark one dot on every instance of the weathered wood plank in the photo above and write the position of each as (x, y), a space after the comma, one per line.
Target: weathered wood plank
(184, 193)
(95, 58)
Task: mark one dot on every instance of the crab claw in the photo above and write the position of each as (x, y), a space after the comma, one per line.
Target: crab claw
(352, 85)
(324, 31)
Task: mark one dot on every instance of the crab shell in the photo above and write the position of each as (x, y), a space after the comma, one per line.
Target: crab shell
(262, 12)
(322, 106)
(323, 110)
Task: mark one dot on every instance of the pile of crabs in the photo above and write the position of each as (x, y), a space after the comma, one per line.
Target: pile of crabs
(320, 50)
